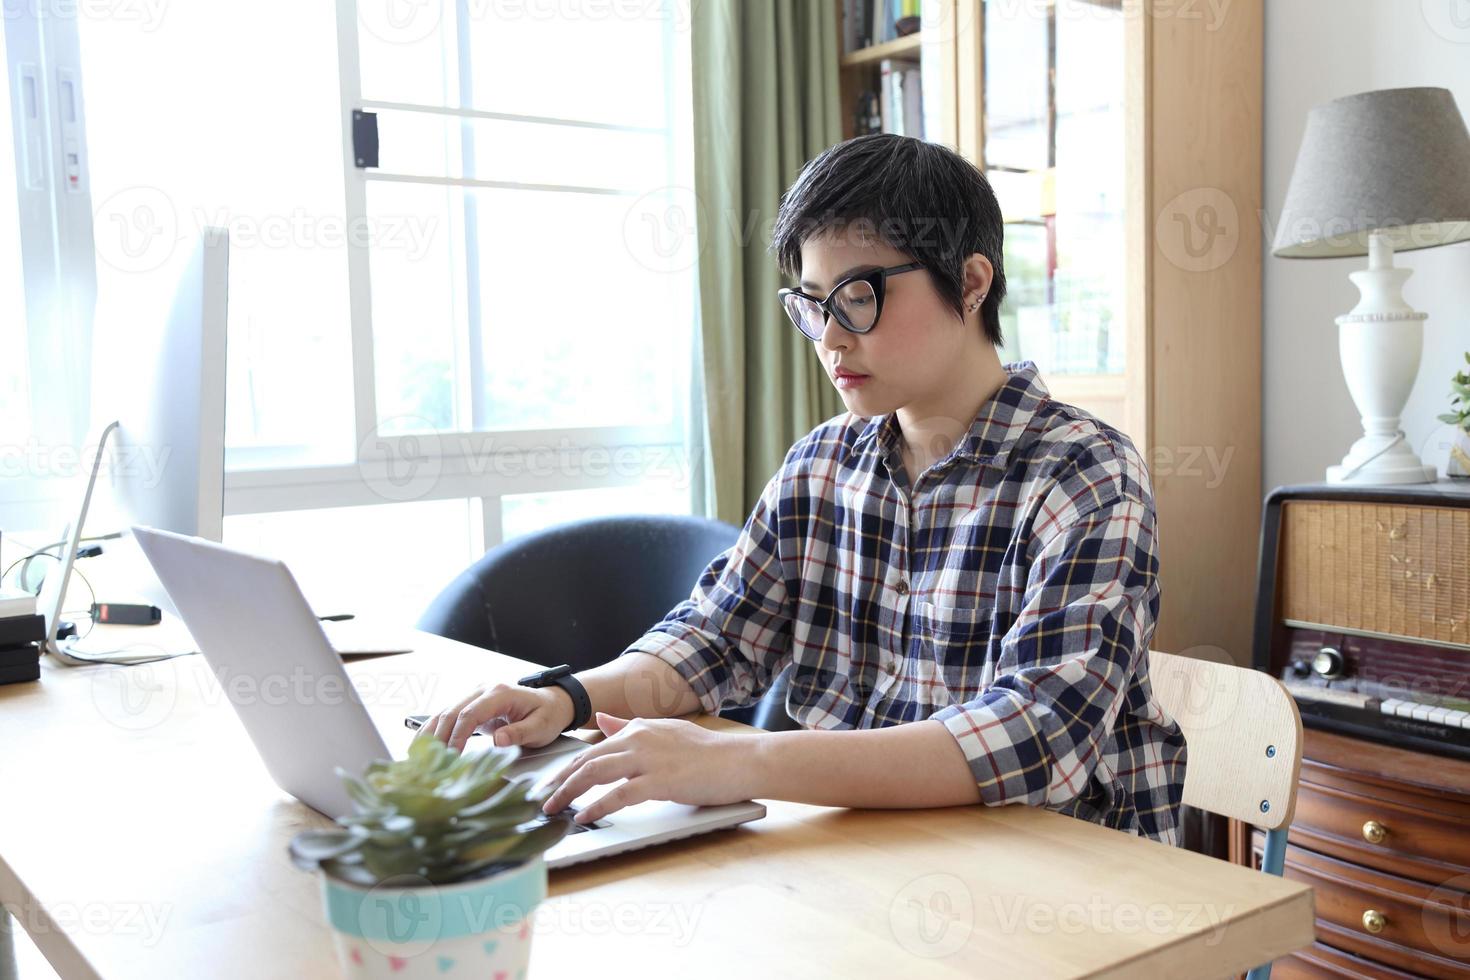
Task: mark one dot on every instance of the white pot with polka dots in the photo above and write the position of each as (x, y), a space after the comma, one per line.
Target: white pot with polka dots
(406, 929)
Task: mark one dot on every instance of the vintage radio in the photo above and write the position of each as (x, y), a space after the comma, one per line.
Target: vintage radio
(1364, 610)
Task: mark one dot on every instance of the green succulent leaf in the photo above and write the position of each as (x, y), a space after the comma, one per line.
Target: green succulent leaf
(311, 847)
(437, 813)
(535, 841)
(511, 792)
(357, 874)
(359, 791)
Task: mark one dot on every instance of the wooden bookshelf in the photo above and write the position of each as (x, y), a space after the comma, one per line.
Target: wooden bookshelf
(902, 47)
(859, 70)
(1192, 123)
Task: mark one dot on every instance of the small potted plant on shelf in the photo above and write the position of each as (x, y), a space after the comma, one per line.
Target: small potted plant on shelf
(437, 871)
(1459, 417)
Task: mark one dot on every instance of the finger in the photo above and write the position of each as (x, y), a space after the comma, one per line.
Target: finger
(556, 799)
(524, 732)
(610, 724)
(603, 769)
(633, 791)
(448, 715)
(608, 743)
(491, 704)
(585, 755)
(432, 725)
(444, 720)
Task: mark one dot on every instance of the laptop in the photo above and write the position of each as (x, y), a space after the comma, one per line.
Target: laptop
(250, 620)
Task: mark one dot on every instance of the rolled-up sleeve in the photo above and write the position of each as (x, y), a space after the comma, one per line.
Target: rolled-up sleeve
(1035, 735)
(733, 634)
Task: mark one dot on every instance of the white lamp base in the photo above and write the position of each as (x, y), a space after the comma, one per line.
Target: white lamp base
(1380, 342)
(1395, 462)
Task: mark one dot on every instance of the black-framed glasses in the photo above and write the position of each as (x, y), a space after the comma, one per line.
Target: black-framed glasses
(856, 301)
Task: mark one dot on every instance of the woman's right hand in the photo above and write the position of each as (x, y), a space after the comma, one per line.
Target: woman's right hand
(528, 716)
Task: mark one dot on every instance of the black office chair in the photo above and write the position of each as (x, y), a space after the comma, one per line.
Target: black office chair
(579, 593)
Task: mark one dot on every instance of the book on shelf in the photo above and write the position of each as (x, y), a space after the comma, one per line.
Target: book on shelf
(866, 116)
(869, 22)
(900, 97)
(854, 29)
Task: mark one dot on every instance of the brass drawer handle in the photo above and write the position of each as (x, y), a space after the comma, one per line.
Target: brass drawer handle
(1374, 832)
(1374, 921)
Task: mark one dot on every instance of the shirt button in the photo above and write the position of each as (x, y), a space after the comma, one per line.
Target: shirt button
(902, 588)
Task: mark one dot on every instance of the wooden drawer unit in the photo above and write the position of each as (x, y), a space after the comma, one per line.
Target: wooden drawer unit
(1320, 961)
(1401, 833)
(1399, 922)
(1383, 833)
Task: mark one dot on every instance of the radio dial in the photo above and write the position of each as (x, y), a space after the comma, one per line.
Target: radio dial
(1328, 663)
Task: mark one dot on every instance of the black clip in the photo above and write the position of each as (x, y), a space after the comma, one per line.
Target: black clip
(365, 138)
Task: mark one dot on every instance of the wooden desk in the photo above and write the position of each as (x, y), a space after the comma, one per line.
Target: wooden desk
(141, 837)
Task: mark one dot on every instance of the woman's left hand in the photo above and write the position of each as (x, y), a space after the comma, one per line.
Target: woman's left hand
(661, 759)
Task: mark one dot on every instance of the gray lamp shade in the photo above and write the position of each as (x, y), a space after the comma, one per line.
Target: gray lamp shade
(1395, 161)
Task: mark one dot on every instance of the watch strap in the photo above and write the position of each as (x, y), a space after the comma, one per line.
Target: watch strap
(581, 701)
(561, 676)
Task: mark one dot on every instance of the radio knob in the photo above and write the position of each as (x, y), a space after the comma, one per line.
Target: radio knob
(1327, 663)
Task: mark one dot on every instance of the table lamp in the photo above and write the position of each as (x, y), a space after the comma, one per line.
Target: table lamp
(1377, 173)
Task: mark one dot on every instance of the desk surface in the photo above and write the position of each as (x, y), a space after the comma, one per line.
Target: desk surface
(141, 837)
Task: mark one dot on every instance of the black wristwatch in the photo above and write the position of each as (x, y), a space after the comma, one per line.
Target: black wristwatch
(562, 677)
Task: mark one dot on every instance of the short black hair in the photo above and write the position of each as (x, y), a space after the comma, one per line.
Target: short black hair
(921, 198)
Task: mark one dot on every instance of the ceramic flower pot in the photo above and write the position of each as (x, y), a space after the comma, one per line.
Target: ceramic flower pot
(1458, 464)
(406, 929)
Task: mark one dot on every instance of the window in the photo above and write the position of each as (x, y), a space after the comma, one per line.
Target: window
(46, 275)
(1054, 151)
(496, 291)
(15, 397)
(400, 554)
(531, 297)
(523, 513)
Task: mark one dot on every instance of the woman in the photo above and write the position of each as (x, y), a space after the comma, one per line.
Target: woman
(961, 571)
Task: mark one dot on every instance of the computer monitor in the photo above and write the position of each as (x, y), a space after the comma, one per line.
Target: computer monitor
(161, 374)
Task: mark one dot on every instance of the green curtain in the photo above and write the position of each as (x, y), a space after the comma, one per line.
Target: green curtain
(765, 102)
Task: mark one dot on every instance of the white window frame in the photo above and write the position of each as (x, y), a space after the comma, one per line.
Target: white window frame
(60, 261)
(58, 264)
(476, 463)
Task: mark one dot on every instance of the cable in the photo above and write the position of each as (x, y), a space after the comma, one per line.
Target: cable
(110, 536)
(111, 657)
(75, 614)
(67, 652)
(1398, 437)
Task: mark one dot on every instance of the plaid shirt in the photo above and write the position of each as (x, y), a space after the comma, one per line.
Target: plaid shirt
(1011, 594)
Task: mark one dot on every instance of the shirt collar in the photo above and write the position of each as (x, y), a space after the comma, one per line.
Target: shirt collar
(996, 429)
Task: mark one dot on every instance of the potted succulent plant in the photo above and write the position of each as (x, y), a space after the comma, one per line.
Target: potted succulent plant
(437, 871)
(1459, 461)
